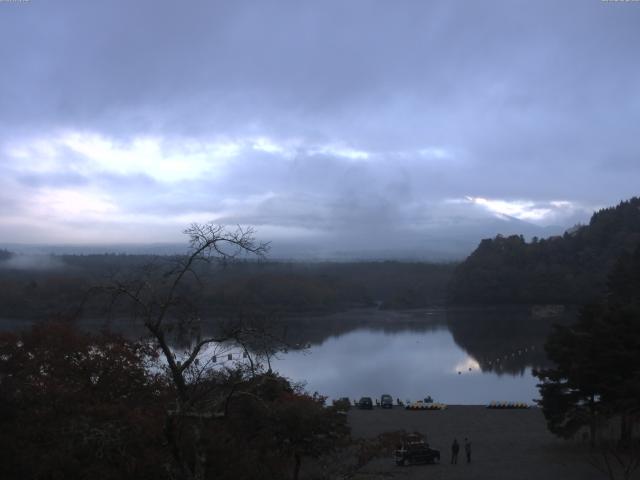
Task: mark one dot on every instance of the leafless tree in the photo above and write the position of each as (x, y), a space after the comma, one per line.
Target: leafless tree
(159, 299)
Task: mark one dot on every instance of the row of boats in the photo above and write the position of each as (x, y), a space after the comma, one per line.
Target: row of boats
(422, 405)
(386, 401)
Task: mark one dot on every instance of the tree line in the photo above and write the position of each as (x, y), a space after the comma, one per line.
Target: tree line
(269, 286)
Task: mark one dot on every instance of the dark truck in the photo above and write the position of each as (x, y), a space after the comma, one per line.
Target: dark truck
(414, 449)
(365, 403)
(386, 401)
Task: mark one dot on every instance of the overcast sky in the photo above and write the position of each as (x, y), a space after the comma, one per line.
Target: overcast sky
(371, 121)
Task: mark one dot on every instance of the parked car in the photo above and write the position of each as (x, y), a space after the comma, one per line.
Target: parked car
(414, 450)
(386, 401)
(365, 403)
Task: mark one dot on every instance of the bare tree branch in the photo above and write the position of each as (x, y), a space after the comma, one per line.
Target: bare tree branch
(156, 294)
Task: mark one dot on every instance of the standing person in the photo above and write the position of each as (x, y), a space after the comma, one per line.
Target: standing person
(455, 448)
(467, 449)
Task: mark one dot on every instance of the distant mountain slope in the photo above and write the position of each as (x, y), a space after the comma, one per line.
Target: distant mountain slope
(564, 269)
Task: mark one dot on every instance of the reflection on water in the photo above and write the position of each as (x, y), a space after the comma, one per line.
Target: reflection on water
(457, 356)
(502, 340)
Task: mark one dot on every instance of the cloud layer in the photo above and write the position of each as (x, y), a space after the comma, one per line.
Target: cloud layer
(321, 122)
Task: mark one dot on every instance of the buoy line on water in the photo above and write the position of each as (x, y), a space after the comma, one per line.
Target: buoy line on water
(426, 406)
(508, 405)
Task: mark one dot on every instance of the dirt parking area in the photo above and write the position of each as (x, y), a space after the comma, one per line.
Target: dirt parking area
(506, 444)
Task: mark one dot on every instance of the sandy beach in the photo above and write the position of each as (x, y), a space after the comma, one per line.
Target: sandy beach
(506, 444)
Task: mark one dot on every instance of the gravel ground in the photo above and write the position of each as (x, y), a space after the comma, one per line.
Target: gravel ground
(506, 444)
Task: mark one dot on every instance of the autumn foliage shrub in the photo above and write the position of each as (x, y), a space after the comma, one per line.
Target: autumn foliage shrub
(78, 405)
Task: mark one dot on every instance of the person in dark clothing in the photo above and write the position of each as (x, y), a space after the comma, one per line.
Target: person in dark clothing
(467, 449)
(455, 448)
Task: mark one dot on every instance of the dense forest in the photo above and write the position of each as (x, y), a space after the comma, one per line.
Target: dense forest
(568, 269)
(31, 290)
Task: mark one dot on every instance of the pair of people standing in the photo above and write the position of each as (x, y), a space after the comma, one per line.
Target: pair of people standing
(455, 448)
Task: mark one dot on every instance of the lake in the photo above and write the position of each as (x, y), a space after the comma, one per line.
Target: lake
(464, 356)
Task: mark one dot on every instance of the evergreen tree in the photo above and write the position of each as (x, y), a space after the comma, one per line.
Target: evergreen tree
(597, 360)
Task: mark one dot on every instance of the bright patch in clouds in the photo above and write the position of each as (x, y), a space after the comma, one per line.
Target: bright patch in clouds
(516, 209)
(72, 203)
(536, 212)
(263, 144)
(341, 151)
(561, 204)
(150, 156)
(88, 153)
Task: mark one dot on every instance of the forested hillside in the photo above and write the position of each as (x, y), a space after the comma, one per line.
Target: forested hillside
(35, 288)
(565, 269)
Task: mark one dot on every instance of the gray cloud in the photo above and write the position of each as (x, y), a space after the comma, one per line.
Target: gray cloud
(381, 113)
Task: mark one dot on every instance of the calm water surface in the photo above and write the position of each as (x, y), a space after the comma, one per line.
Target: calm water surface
(408, 365)
(463, 357)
